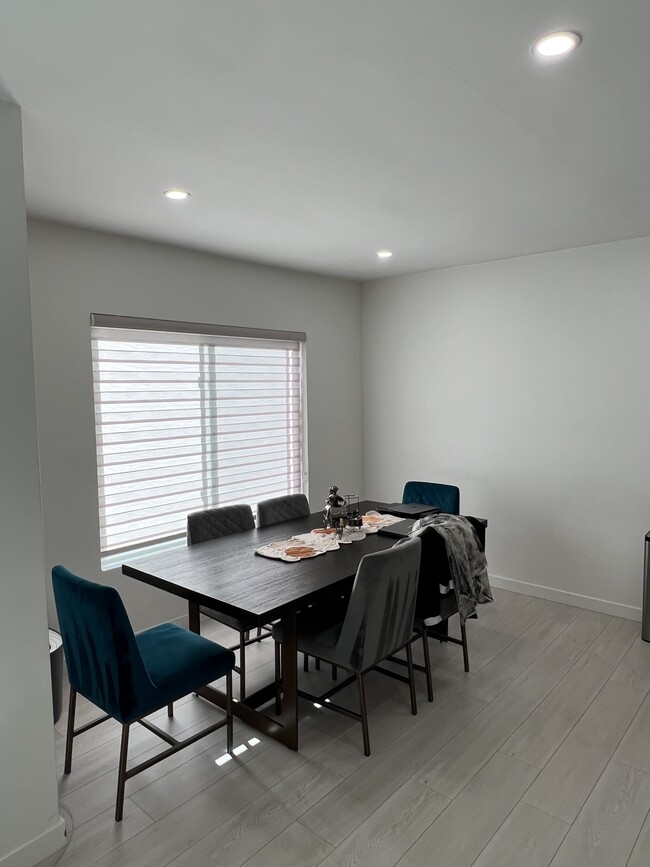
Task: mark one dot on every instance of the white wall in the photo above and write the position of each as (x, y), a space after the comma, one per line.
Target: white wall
(75, 272)
(30, 825)
(525, 382)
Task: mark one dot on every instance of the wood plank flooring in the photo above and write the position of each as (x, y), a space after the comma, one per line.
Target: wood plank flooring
(540, 757)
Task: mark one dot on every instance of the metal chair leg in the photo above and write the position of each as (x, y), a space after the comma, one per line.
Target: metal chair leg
(305, 662)
(72, 704)
(364, 715)
(170, 709)
(242, 666)
(334, 673)
(427, 664)
(278, 676)
(463, 634)
(229, 712)
(409, 663)
(121, 773)
(317, 663)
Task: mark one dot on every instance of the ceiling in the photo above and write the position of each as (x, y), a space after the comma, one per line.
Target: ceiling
(312, 133)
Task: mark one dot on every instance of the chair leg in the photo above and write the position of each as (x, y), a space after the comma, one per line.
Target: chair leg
(305, 662)
(229, 712)
(317, 663)
(170, 709)
(463, 634)
(409, 663)
(334, 673)
(364, 715)
(427, 664)
(121, 773)
(278, 676)
(242, 665)
(72, 704)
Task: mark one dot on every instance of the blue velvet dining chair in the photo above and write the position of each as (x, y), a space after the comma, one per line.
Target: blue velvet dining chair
(445, 497)
(130, 675)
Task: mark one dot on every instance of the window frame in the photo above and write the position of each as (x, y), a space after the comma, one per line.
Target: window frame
(109, 326)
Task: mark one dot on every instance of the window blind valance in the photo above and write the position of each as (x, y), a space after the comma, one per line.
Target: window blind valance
(190, 419)
(108, 320)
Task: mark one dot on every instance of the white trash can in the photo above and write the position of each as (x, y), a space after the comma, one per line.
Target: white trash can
(56, 670)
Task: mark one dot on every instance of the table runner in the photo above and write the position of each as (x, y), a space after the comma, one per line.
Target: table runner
(320, 542)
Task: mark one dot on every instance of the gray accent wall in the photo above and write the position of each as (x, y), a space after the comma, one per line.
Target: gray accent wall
(76, 272)
(525, 382)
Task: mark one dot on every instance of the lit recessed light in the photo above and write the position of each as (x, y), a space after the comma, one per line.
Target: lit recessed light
(176, 194)
(384, 254)
(556, 44)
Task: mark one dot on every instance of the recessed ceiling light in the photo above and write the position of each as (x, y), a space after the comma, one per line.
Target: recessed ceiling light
(384, 254)
(176, 194)
(556, 44)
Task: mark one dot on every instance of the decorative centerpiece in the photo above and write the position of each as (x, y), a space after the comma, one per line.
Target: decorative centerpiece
(336, 509)
(353, 515)
(341, 511)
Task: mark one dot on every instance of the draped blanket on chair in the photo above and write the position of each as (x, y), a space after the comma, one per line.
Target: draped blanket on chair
(465, 559)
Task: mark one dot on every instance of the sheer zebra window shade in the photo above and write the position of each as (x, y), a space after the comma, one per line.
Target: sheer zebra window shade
(189, 417)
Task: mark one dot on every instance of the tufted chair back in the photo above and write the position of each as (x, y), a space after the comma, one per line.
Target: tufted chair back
(214, 523)
(282, 509)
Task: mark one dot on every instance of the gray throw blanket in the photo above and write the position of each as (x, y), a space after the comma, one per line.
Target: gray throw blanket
(467, 562)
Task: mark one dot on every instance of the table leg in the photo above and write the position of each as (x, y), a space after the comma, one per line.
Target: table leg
(286, 729)
(194, 617)
(289, 716)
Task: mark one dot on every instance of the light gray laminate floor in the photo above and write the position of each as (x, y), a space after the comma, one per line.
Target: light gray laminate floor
(540, 756)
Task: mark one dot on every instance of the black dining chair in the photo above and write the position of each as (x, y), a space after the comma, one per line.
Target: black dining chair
(276, 510)
(131, 675)
(377, 623)
(434, 605)
(285, 508)
(211, 524)
(445, 497)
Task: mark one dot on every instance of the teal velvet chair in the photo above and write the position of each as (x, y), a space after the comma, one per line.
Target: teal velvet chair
(130, 675)
(445, 497)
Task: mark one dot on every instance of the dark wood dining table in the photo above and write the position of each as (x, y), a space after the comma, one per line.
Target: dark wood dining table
(227, 575)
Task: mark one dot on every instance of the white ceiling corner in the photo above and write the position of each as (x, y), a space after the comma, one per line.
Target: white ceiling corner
(313, 134)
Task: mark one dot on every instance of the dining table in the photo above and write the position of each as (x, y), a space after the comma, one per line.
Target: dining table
(227, 575)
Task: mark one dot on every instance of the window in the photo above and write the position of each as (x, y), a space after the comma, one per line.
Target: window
(189, 417)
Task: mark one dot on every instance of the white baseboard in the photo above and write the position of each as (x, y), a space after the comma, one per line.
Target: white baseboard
(604, 606)
(183, 620)
(51, 841)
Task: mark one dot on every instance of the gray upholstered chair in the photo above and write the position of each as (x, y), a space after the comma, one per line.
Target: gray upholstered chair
(279, 509)
(377, 623)
(212, 524)
(447, 499)
(432, 604)
(223, 521)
